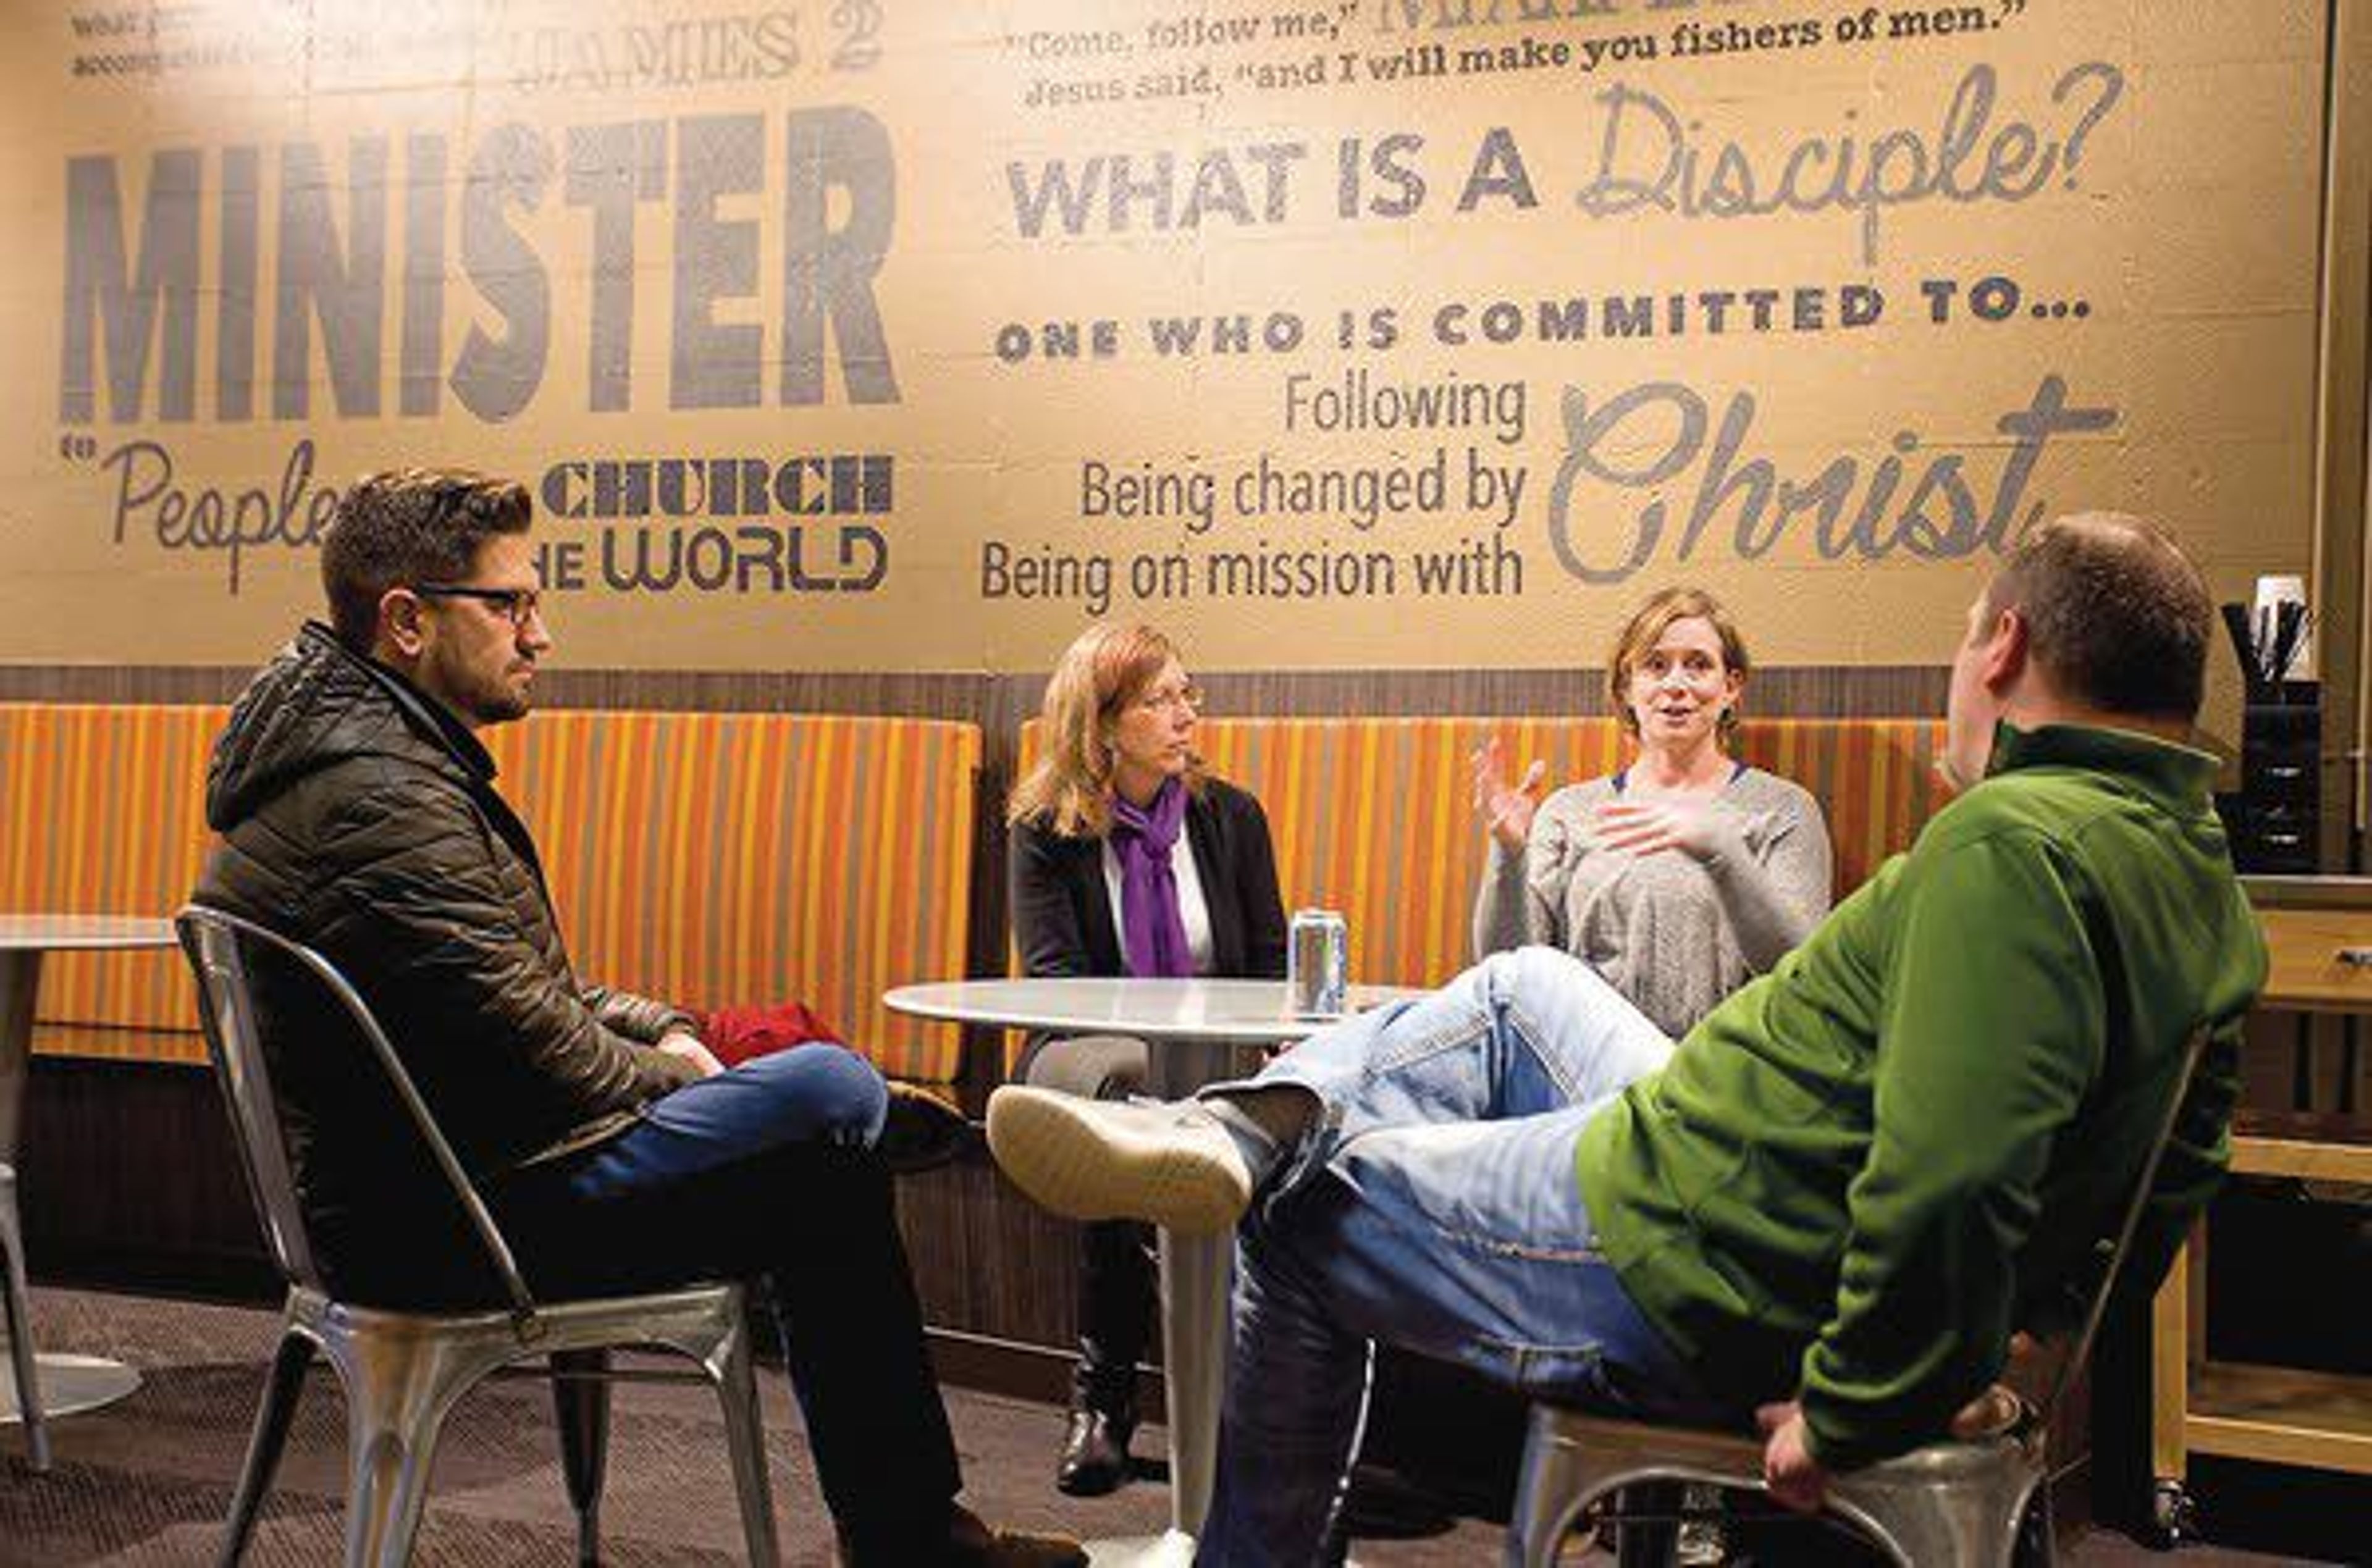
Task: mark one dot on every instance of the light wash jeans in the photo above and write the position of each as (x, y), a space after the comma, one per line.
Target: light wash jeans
(1433, 1206)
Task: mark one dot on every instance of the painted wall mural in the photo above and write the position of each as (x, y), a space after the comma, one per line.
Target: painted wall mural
(876, 334)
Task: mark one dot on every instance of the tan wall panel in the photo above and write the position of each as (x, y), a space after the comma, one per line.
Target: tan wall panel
(2172, 253)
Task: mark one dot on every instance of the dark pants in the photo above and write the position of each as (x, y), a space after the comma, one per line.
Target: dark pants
(1117, 1281)
(768, 1169)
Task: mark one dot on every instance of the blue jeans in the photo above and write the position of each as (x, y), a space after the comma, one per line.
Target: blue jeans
(1433, 1205)
(768, 1169)
(809, 1094)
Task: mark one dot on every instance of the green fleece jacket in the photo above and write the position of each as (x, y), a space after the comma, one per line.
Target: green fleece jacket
(1863, 1172)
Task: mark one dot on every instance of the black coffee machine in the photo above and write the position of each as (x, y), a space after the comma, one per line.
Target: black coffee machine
(2274, 820)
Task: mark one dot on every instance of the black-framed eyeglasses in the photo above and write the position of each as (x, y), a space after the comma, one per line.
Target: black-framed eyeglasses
(520, 605)
(1188, 697)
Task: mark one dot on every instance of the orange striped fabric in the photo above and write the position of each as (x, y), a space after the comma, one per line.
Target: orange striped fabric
(1371, 816)
(1876, 778)
(104, 814)
(712, 859)
(741, 859)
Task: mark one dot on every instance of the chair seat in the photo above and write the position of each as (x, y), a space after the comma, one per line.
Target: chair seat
(445, 1351)
(1947, 1503)
(1734, 1458)
(558, 1325)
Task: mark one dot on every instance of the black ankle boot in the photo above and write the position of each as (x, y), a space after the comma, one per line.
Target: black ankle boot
(1116, 1291)
(1095, 1453)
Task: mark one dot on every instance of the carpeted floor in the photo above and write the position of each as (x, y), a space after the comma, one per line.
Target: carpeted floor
(146, 1481)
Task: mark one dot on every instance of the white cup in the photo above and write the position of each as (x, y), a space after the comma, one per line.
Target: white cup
(2272, 593)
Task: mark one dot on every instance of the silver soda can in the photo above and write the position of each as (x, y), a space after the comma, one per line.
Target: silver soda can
(1317, 964)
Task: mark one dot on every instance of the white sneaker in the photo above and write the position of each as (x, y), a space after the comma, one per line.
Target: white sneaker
(1172, 1164)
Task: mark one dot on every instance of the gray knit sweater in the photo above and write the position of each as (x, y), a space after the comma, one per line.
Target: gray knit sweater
(1673, 933)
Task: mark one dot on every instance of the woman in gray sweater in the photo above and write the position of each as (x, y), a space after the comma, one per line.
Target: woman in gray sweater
(1678, 878)
(1684, 875)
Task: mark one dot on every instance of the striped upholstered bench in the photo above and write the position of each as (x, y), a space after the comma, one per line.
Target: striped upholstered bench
(1371, 816)
(105, 814)
(714, 859)
(739, 859)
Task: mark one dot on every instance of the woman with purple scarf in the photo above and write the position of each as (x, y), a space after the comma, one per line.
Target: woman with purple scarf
(1125, 858)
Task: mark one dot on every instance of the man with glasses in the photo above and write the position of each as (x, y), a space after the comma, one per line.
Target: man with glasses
(358, 814)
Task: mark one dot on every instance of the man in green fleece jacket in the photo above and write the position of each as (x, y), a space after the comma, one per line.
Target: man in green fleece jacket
(1837, 1198)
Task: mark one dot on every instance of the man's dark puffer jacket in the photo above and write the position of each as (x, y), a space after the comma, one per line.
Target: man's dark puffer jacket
(360, 817)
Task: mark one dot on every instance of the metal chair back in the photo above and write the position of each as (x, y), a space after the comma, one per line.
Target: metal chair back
(222, 949)
(2109, 1254)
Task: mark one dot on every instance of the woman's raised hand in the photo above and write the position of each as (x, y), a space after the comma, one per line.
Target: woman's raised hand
(1506, 810)
(1643, 827)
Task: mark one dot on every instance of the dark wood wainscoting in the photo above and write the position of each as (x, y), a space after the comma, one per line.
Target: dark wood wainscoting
(128, 1177)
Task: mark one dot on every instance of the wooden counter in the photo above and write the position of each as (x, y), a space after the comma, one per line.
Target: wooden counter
(2309, 968)
(2276, 1415)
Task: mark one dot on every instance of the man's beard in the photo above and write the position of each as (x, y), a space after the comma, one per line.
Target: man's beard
(499, 704)
(482, 699)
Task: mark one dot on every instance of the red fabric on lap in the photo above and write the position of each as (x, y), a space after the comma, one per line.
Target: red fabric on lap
(736, 1034)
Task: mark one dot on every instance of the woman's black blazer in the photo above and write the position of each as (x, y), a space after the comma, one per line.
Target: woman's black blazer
(1061, 909)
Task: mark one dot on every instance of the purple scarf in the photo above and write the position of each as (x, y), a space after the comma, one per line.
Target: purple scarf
(1151, 929)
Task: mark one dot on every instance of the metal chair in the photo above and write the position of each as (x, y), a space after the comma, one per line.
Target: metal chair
(19, 1315)
(402, 1370)
(17, 1004)
(1968, 1504)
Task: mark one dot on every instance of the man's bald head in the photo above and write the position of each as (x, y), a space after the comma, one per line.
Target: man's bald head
(2117, 617)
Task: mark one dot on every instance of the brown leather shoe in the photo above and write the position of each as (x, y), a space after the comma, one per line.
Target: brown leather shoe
(921, 1130)
(1027, 1548)
(972, 1542)
(976, 1544)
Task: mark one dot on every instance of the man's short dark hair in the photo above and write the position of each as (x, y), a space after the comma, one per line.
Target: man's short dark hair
(2116, 614)
(406, 526)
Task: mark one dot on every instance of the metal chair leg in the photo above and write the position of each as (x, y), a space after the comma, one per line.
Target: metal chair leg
(387, 1487)
(1969, 1528)
(19, 1302)
(581, 1401)
(397, 1389)
(2038, 1532)
(282, 1387)
(1548, 1489)
(745, 1440)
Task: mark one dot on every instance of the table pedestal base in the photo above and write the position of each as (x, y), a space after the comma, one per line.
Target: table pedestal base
(1171, 1548)
(70, 1384)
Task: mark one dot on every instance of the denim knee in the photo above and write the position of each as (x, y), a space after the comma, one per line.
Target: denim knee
(1517, 970)
(838, 1093)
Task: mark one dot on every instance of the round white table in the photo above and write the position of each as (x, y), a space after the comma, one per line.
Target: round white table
(69, 1384)
(1197, 1028)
